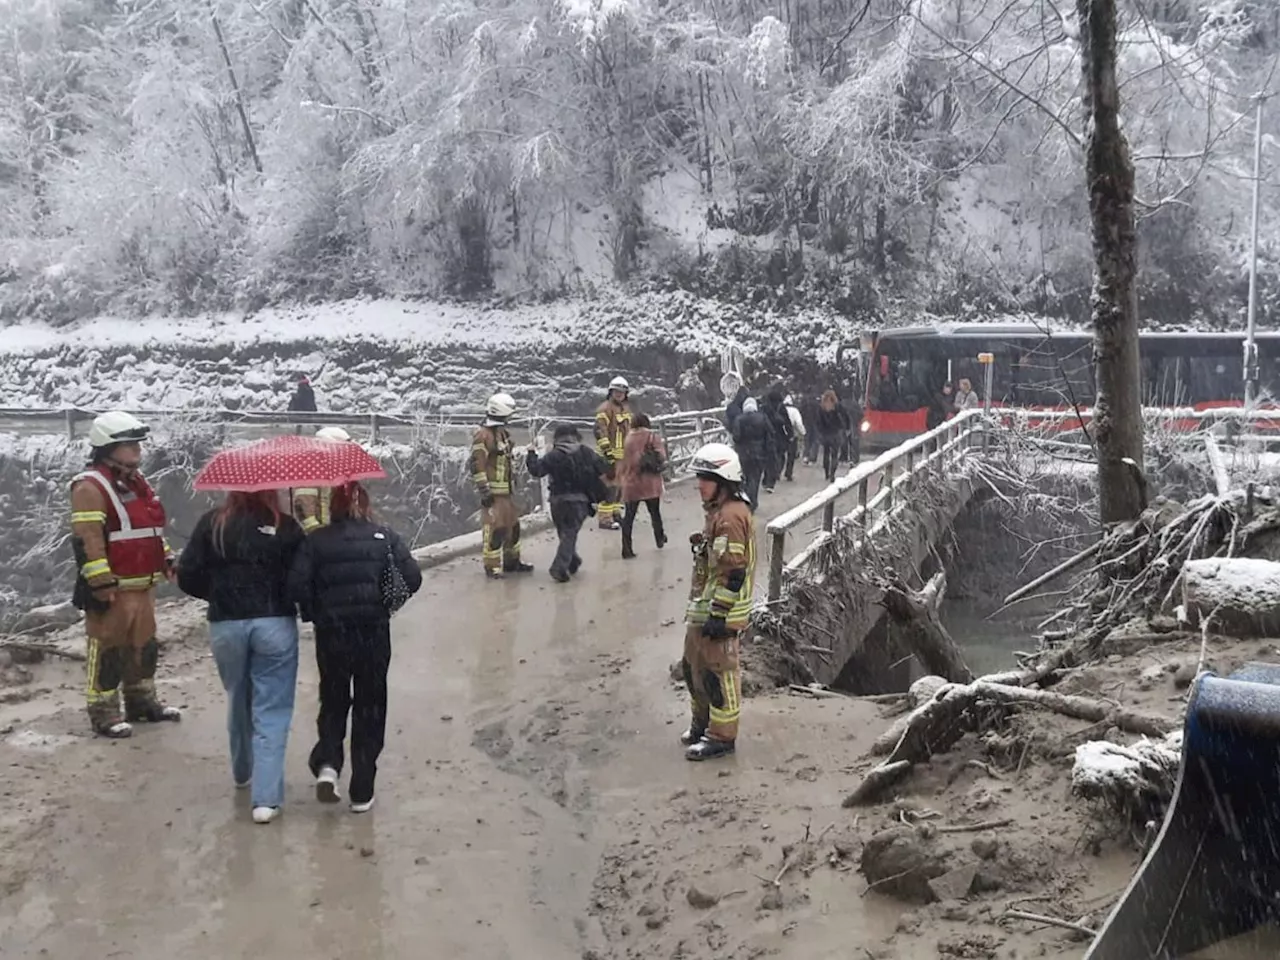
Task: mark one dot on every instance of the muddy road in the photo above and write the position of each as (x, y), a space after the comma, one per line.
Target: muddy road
(531, 744)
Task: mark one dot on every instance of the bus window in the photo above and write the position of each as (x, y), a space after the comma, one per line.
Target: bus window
(1076, 375)
(1161, 380)
(1214, 378)
(1036, 382)
(1268, 371)
(904, 374)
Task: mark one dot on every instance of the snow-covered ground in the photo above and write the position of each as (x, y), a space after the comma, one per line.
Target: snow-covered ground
(394, 355)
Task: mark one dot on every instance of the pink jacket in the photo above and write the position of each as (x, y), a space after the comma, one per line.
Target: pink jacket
(637, 485)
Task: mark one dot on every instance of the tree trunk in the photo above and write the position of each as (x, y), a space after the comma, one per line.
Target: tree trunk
(922, 632)
(1117, 416)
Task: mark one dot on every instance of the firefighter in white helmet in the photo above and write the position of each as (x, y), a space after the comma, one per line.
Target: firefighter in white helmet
(311, 504)
(117, 529)
(491, 472)
(724, 559)
(613, 421)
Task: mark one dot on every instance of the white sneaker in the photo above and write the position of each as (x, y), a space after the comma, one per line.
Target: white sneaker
(327, 785)
(265, 814)
(362, 807)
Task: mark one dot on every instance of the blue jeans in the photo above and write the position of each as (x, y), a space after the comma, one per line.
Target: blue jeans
(258, 663)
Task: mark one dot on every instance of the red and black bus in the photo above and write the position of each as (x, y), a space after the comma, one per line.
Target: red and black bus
(1037, 368)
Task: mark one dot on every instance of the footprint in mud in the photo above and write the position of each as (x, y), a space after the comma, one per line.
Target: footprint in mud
(493, 739)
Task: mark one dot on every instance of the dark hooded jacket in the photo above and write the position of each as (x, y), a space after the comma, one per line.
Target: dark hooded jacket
(573, 469)
(336, 577)
(779, 419)
(734, 410)
(755, 438)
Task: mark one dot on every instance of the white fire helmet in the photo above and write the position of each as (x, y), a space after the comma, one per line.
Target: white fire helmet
(717, 461)
(333, 433)
(619, 383)
(501, 407)
(116, 427)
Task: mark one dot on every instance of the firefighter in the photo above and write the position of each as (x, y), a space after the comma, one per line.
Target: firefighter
(491, 470)
(613, 420)
(117, 528)
(724, 559)
(311, 504)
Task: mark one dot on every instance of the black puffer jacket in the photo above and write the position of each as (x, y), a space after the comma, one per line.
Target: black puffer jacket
(243, 572)
(337, 574)
(754, 438)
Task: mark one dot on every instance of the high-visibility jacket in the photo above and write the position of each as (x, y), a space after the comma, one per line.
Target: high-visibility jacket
(311, 507)
(724, 566)
(120, 524)
(612, 423)
(491, 461)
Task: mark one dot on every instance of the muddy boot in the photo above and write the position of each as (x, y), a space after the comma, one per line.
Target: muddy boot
(692, 735)
(142, 706)
(559, 576)
(706, 749)
(118, 730)
(575, 565)
(105, 668)
(517, 566)
(493, 574)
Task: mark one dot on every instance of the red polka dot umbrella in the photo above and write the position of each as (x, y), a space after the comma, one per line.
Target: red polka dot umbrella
(288, 461)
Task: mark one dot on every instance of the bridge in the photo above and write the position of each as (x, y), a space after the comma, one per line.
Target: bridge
(532, 801)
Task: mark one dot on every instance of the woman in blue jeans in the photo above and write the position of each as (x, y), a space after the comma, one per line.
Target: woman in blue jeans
(238, 560)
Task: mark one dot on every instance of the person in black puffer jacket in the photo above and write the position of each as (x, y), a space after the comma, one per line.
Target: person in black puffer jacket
(754, 440)
(576, 473)
(238, 560)
(337, 582)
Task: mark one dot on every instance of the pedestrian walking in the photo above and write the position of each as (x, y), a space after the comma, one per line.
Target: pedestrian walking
(575, 475)
(304, 397)
(754, 440)
(831, 430)
(347, 578)
(238, 561)
(311, 504)
(117, 535)
(775, 410)
(720, 594)
(797, 436)
(643, 462)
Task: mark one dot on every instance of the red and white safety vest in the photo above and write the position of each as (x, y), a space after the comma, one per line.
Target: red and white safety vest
(136, 548)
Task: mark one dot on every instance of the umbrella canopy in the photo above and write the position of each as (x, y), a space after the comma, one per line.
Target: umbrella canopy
(288, 461)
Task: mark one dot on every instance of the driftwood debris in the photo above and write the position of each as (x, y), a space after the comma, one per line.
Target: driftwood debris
(44, 648)
(921, 629)
(1066, 566)
(1237, 596)
(938, 724)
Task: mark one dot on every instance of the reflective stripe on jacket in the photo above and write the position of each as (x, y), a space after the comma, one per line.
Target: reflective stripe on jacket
(122, 527)
(491, 461)
(728, 545)
(611, 427)
(311, 507)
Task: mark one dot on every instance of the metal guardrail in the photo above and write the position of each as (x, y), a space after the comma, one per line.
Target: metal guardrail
(926, 451)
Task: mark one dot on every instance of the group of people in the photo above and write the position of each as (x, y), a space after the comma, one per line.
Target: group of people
(948, 401)
(258, 567)
(263, 559)
(770, 435)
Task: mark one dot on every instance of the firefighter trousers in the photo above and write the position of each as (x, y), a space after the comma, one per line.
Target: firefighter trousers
(123, 652)
(501, 533)
(714, 680)
(609, 511)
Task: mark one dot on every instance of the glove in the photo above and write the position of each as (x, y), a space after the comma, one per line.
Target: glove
(486, 500)
(695, 539)
(715, 628)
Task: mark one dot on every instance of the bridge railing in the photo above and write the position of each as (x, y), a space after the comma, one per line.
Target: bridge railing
(894, 470)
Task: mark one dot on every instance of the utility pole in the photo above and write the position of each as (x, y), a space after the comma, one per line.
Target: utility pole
(1250, 346)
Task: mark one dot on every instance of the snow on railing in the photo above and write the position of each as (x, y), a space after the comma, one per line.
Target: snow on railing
(931, 448)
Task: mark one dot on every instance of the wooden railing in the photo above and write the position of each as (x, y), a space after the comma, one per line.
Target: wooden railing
(895, 470)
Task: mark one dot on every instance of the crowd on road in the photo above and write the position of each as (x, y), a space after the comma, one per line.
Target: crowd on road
(295, 537)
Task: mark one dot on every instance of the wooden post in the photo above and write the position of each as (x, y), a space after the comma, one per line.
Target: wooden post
(910, 471)
(71, 424)
(668, 470)
(886, 481)
(862, 502)
(373, 427)
(829, 516)
(777, 546)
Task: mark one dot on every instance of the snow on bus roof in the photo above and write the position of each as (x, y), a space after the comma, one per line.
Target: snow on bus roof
(989, 331)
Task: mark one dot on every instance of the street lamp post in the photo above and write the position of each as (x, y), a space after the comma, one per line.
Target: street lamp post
(1250, 347)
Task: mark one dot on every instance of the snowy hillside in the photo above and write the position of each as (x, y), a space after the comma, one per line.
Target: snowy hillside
(399, 356)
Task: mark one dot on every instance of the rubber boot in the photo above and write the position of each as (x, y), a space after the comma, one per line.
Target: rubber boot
(706, 749)
(517, 566)
(692, 735)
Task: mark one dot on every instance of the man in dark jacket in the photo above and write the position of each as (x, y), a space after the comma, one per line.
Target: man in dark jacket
(304, 398)
(734, 409)
(576, 473)
(754, 439)
(783, 435)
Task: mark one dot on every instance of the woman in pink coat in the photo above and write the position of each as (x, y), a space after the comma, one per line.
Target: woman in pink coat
(644, 458)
